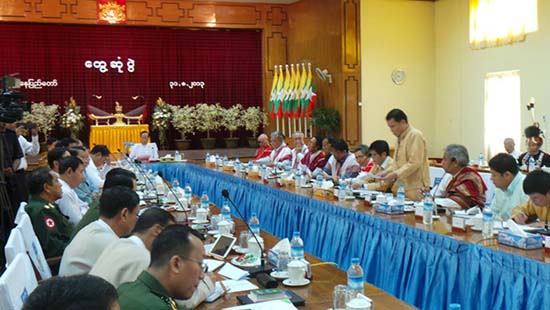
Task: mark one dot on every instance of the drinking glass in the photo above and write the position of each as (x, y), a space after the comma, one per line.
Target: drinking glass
(214, 220)
(243, 239)
(339, 297)
(282, 261)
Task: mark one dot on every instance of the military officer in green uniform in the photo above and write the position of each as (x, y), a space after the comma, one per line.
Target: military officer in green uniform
(50, 226)
(176, 269)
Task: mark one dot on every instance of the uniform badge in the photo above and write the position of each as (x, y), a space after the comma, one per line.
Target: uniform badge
(50, 222)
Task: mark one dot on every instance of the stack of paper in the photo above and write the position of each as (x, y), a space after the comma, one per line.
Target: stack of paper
(283, 304)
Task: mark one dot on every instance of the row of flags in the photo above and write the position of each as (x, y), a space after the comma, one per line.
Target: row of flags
(292, 94)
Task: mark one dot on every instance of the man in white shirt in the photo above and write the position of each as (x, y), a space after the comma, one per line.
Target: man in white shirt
(118, 212)
(29, 148)
(54, 156)
(101, 158)
(509, 185)
(300, 149)
(281, 153)
(342, 163)
(144, 151)
(509, 146)
(70, 176)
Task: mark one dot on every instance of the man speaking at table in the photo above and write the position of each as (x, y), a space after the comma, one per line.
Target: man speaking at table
(410, 166)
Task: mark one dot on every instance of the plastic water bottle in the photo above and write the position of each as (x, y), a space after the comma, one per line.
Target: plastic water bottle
(175, 185)
(263, 172)
(401, 197)
(207, 157)
(237, 165)
(532, 164)
(225, 160)
(355, 278)
(481, 160)
(487, 231)
(296, 246)
(427, 212)
(226, 210)
(188, 192)
(342, 191)
(319, 180)
(204, 201)
(254, 224)
(177, 155)
(298, 180)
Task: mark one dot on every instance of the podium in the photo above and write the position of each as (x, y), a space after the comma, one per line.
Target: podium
(114, 136)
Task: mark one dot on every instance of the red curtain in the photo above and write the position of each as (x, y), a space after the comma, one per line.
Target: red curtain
(227, 61)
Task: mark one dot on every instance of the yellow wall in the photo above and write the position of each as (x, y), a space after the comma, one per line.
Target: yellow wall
(397, 34)
(460, 74)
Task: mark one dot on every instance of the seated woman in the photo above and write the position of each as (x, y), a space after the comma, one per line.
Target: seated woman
(534, 144)
(144, 151)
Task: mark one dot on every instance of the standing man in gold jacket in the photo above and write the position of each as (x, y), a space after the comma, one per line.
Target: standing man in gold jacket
(410, 166)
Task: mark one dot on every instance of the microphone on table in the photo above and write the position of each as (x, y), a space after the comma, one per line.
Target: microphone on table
(262, 269)
(142, 171)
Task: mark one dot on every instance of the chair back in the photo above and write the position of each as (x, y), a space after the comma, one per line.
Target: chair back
(17, 283)
(33, 247)
(14, 246)
(20, 212)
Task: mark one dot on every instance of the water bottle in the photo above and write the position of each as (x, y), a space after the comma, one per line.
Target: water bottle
(342, 191)
(218, 160)
(298, 180)
(249, 166)
(237, 165)
(296, 246)
(355, 278)
(481, 160)
(226, 211)
(487, 231)
(175, 185)
(188, 192)
(427, 211)
(401, 197)
(225, 160)
(532, 164)
(319, 180)
(177, 156)
(254, 224)
(204, 201)
(207, 157)
(263, 172)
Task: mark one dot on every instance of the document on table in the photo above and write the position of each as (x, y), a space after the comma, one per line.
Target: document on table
(281, 304)
(231, 272)
(213, 264)
(234, 286)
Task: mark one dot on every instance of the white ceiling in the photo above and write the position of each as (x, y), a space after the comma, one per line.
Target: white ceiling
(252, 1)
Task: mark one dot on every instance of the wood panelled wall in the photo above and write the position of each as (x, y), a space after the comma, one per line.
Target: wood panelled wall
(323, 32)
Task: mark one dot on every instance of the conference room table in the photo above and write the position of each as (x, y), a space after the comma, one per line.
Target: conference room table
(318, 294)
(429, 267)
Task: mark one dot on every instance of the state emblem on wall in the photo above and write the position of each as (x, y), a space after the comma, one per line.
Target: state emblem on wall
(111, 11)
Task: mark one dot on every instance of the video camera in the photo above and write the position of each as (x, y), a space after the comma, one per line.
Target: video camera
(12, 103)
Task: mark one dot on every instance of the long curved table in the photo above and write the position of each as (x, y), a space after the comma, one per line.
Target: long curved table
(429, 267)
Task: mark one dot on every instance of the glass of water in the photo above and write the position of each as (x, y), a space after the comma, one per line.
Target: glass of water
(282, 262)
(339, 297)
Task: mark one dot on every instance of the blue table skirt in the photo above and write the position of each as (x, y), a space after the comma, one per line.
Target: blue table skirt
(424, 269)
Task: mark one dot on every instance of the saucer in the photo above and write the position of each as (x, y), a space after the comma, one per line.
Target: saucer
(279, 275)
(240, 250)
(307, 185)
(213, 232)
(245, 264)
(304, 282)
(195, 221)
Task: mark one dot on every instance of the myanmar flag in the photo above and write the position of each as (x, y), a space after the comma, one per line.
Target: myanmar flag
(273, 96)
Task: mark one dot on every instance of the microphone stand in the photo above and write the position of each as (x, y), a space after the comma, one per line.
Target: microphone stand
(254, 271)
(155, 188)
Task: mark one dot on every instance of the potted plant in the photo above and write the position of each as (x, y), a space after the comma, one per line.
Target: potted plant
(207, 119)
(182, 120)
(232, 120)
(326, 121)
(161, 119)
(43, 116)
(72, 120)
(253, 118)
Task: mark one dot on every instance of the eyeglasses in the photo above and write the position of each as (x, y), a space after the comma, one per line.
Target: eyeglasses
(203, 266)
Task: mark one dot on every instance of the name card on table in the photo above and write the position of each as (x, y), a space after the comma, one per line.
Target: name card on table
(459, 223)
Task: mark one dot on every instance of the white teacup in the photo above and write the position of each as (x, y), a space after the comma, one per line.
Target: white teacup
(296, 271)
(201, 214)
(254, 248)
(224, 227)
(358, 304)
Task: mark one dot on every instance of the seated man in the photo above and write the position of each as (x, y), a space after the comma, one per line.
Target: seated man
(362, 155)
(342, 163)
(100, 164)
(118, 211)
(510, 147)
(534, 158)
(326, 149)
(51, 227)
(466, 188)
(380, 153)
(537, 186)
(115, 177)
(174, 273)
(76, 292)
(281, 153)
(508, 182)
(144, 150)
(300, 149)
(84, 190)
(54, 156)
(315, 158)
(264, 149)
(71, 171)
